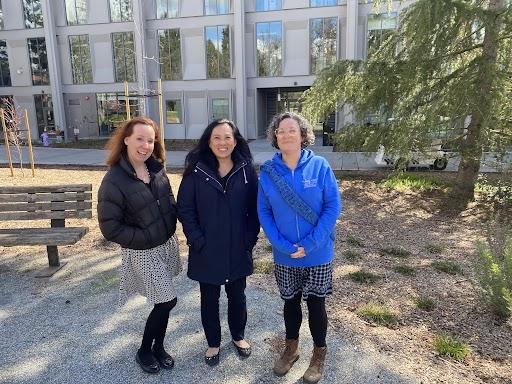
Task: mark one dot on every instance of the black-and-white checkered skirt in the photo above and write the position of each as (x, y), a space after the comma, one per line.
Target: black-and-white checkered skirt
(316, 281)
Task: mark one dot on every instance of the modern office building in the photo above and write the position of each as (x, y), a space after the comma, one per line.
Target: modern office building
(66, 61)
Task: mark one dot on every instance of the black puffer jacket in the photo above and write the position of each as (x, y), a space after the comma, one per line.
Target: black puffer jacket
(130, 213)
(221, 225)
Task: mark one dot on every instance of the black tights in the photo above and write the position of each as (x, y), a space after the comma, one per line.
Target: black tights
(317, 318)
(156, 325)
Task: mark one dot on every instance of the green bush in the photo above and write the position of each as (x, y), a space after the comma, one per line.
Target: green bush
(450, 346)
(495, 276)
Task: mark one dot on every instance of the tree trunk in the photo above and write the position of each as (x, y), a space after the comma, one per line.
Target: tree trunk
(471, 151)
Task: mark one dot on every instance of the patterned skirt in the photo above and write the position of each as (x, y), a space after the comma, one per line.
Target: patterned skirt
(316, 280)
(150, 272)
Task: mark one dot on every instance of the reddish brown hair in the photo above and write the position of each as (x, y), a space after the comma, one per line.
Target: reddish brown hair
(116, 144)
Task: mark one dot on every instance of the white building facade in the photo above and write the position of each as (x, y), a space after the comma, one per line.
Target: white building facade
(66, 61)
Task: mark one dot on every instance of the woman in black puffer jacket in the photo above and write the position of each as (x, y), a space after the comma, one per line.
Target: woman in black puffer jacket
(217, 207)
(137, 210)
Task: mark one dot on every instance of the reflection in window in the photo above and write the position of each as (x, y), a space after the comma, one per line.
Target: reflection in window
(76, 12)
(323, 3)
(166, 9)
(269, 47)
(80, 59)
(220, 108)
(170, 54)
(112, 111)
(323, 43)
(380, 28)
(5, 74)
(1, 16)
(268, 5)
(38, 61)
(173, 111)
(216, 7)
(124, 56)
(33, 13)
(120, 10)
(217, 52)
(44, 113)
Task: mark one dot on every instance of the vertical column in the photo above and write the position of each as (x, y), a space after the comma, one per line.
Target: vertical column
(238, 55)
(54, 69)
(139, 26)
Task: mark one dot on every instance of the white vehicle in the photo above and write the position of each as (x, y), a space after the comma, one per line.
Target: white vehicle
(436, 158)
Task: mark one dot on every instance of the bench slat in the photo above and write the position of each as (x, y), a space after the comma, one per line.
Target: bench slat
(47, 188)
(50, 206)
(87, 214)
(41, 236)
(33, 198)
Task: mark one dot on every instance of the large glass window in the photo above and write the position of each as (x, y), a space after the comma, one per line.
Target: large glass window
(33, 13)
(269, 48)
(220, 108)
(5, 74)
(166, 9)
(124, 56)
(216, 7)
(112, 111)
(173, 111)
(80, 59)
(44, 113)
(120, 10)
(76, 12)
(323, 3)
(217, 52)
(379, 28)
(38, 61)
(268, 5)
(170, 54)
(323, 43)
(1, 16)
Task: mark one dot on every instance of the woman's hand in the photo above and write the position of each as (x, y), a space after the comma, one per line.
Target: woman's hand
(299, 253)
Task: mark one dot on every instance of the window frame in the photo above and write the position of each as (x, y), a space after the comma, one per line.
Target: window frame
(178, 7)
(227, 26)
(338, 2)
(123, 18)
(77, 22)
(117, 79)
(8, 83)
(180, 77)
(180, 110)
(336, 41)
(266, 6)
(85, 73)
(205, 8)
(30, 3)
(40, 70)
(391, 15)
(281, 46)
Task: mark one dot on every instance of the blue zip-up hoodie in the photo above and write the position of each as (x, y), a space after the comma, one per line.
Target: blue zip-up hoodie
(314, 181)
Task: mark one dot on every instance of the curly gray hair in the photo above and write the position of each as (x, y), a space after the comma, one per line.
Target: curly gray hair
(306, 131)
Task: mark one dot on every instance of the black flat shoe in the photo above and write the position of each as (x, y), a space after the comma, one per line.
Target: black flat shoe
(243, 352)
(152, 367)
(164, 359)
(212, 361)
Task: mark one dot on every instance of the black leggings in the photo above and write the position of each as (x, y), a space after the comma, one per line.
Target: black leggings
(317, 318)
(156, 325)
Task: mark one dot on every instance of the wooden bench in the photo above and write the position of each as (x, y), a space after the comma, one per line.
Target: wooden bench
(56, 203)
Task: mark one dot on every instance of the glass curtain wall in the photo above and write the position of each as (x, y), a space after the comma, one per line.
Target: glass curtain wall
(218, 52)
(269, 48)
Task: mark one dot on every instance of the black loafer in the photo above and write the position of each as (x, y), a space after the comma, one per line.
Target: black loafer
(152, 367)
(164, 359)
(212, 361)
(243, 352)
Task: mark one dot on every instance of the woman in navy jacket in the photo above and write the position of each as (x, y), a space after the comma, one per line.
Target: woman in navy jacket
(217, 207)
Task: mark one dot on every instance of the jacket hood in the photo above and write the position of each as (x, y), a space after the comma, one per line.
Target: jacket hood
(305, 157)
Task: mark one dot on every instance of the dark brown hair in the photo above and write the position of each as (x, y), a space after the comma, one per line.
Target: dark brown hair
(116, 144)
(306, 131)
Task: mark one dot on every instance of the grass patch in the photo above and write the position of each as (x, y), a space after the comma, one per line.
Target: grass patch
(407, 182)
(263, 266)
(434, 248)
(395, 251)
(354, 241)
(363, 277)
(450, 346)
(404, 270)
(378, 314)
(447, 266)
(425, 303)
(105, 282)
(352, 254)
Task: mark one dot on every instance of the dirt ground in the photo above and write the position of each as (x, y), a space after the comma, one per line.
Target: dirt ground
(379, 218)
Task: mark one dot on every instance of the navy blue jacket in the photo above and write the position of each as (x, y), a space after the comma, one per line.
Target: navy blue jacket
(221, 225)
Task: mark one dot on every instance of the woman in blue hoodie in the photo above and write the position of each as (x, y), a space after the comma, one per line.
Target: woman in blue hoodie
(298, 204)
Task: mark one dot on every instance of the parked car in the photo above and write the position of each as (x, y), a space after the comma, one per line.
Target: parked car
(436, 158)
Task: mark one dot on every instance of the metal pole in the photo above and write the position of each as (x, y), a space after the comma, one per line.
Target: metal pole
(6, 138)
(161, 113)
(127, 101)
(29, 138)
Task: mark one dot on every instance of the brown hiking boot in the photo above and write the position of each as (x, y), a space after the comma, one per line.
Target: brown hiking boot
(316, 366)
(289, 356)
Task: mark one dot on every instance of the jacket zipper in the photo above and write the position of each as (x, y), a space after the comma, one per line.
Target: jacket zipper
(217, 181)
(296, 217)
